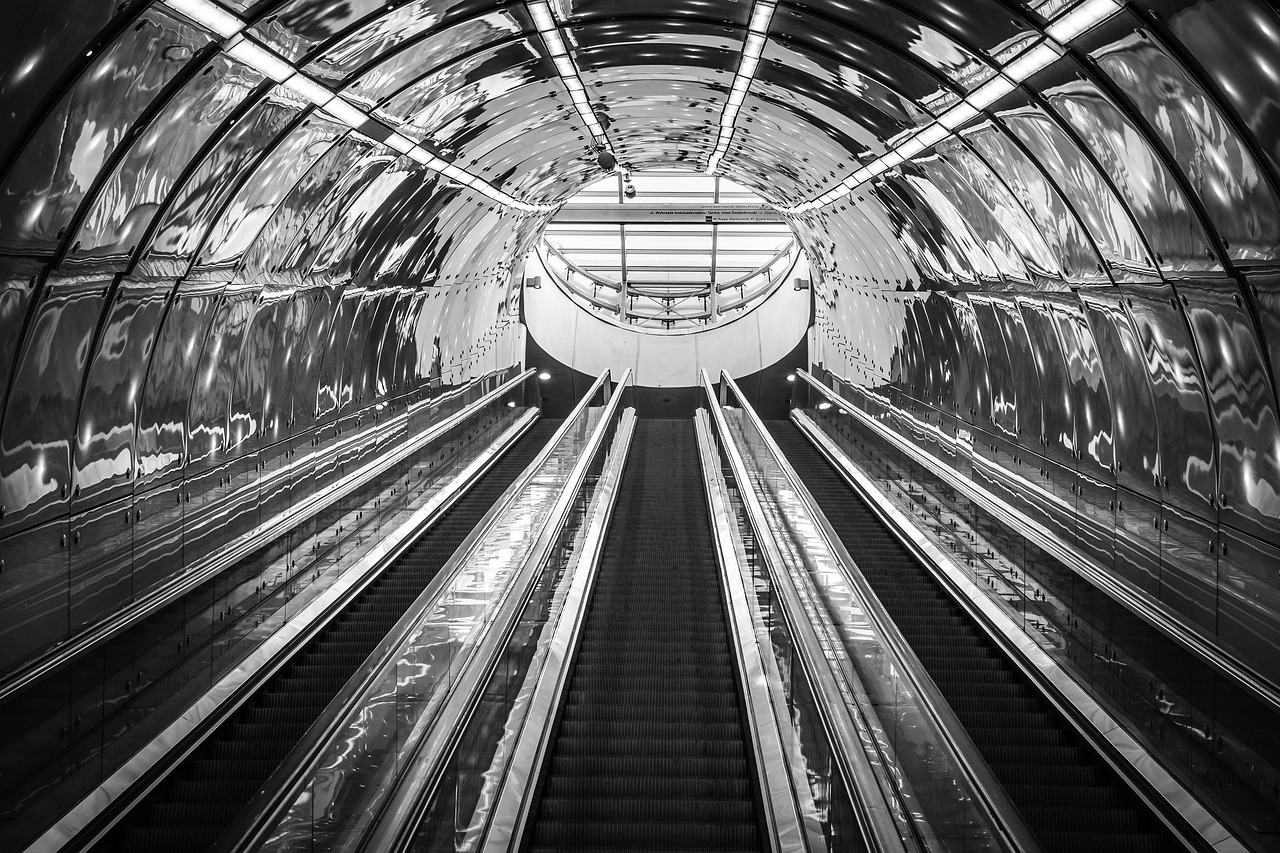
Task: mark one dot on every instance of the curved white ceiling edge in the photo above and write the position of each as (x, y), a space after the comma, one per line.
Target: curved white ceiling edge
(571, 335)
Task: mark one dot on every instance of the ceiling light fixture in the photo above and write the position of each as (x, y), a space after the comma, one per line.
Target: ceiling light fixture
(549, 30)
(271, 65)
(752, 52)
(209, 15)
(1078, 20)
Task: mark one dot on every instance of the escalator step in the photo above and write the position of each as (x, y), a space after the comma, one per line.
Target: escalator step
(649, 752)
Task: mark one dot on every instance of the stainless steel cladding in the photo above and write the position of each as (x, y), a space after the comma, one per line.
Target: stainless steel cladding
(1047, 253)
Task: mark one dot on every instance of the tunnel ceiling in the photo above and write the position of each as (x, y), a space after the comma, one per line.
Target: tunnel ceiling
(200, 202)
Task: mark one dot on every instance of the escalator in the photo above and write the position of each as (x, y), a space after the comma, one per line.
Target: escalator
(190, 809)
(1066, 793)
(651, 751)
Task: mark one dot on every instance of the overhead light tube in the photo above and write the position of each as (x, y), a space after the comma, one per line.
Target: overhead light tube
(1081, 18)
(209, 15)
(752, 52)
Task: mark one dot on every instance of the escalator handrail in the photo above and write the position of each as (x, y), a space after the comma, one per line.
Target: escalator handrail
(1204, 647)
(788, 802)
(513, 807)
(46, 663)
(398, 813)
(880, 812)
(998, 810)
(1175, 806)
(250, 827)
(110, 802)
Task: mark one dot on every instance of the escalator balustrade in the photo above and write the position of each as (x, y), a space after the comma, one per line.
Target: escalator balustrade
(1066, 793)
(196, 802)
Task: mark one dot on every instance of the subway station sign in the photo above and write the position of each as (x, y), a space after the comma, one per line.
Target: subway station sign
(668, 214)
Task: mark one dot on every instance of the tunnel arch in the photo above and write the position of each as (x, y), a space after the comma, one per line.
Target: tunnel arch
(200, 268)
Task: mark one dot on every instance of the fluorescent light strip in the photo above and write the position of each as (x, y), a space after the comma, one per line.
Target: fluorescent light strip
(1081, 18)
(230, 28)
(549, 30)
(210, 16)
(752, 51)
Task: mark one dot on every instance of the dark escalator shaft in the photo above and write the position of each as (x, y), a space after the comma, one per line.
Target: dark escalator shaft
(194, 805)
(1064, 790)
(651, 752)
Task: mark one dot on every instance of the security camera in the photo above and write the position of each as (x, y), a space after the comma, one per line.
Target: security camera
(606, 159)
(629, 190)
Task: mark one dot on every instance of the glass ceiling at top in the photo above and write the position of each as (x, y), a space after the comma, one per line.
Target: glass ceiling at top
(667, 275)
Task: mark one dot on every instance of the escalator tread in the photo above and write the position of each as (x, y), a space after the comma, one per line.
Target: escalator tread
(194, 805)
(650, 752)
(1063, 789)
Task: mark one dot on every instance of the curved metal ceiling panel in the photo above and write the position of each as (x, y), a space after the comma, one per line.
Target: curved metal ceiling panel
(1090, 194)
(1041, 199)
(42, 42)
(243, 219)
(1223, 171)
(66, 156)
(251, 229)
(125, 206)
(1139, 177)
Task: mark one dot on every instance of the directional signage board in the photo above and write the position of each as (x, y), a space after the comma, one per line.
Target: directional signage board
(668, 214)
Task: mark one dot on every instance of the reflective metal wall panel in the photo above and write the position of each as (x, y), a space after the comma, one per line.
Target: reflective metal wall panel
(1120, 357)
(40, 412)
(1242, 400)
(1152, 196)
(1188, 462)
(105, 460)
(162, 414)
(43, 43)
(1223, 171)
(33, 590)
(60, 162)
(125, 206)
(1070, 291)
(101, 563)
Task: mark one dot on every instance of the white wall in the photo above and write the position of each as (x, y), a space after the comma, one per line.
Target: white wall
(591, 344)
